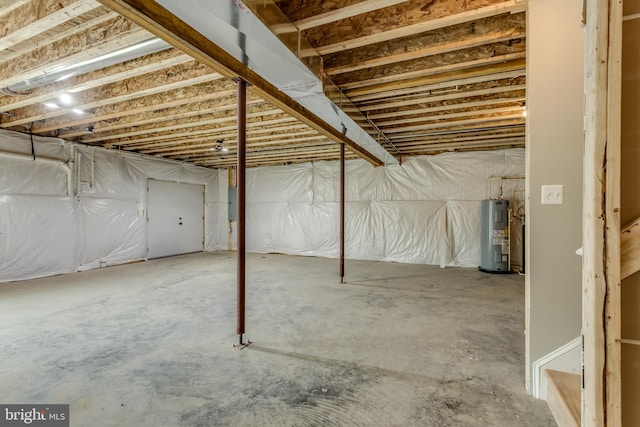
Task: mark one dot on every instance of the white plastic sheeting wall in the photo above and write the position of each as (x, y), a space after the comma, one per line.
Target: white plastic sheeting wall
(43, 231)
(424, 211)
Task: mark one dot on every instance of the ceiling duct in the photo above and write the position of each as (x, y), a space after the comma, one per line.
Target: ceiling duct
(233, 27)
(126, 54)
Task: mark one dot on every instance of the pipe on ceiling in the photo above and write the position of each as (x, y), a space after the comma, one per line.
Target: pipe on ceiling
(126, 54)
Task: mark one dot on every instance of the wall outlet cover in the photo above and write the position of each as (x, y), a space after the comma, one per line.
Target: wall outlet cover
(552, 194)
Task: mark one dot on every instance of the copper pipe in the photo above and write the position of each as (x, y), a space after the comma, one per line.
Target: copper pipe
(242, 186)
(341, 213)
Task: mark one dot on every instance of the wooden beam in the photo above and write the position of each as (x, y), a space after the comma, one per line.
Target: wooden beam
(264, 149)
(431, 50)
(207, 103)
(213, 133)
(450, 123)
(430, 118)
(479, 145)
(446, 78)
(275, 118)
(164, 24)
(7, 6)
(479, 135)
(422, 27)
(181, 150)
(449, 68)
(601, 219)
(438, 98)
(161, 81)
(252, 135)
(461, 36)
(133, 109)
(96, 41)
(439, 84)
(39, 16)
(68, 29)
(447, 107)
(344, 13)
(95, 79)
(489, 142)
(200, 109)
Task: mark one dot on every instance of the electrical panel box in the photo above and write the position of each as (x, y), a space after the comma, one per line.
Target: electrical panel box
(494, 246)
(233, 204)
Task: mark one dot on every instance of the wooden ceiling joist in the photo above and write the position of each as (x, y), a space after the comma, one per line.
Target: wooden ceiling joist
(22, 23)
(444, 78)
(96, 41)
(431, 76)
(158, 82)
(204, 139)
(434, 83)
(458, 124)
(453, 95)
(449, 69)
(95, 79)
(211, 133)
(344, 13)
(429, 118)
(422, 27)
(448, 107)
(470, 43)
(231, 144)
(462, 36)
(93, 18)
(276, 117)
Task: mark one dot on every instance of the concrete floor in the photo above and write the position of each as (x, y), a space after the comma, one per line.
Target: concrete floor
(150, 344)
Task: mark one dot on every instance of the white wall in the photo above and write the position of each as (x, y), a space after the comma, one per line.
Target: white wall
(425, 211)
(44, 231)
(555, 88)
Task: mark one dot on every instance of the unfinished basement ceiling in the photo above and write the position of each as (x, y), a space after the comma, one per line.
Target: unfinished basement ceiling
(423, 76)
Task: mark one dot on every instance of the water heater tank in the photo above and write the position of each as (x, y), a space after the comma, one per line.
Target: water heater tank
(494, 247)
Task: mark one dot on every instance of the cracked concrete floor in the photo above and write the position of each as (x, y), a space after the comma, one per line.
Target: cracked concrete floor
(150, 344)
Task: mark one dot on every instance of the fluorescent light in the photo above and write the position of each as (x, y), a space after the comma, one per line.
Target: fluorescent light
(51, 105)
(65, 98)
(77, 111)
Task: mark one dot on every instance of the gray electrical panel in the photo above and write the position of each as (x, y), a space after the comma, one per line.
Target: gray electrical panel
(494, 246)
(233, 204)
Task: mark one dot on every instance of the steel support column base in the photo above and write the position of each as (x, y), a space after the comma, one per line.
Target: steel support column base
(242, 345)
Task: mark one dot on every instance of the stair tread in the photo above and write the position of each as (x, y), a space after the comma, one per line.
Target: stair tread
(564, 397)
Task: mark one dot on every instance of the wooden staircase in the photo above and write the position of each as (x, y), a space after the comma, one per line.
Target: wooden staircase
(564, 397)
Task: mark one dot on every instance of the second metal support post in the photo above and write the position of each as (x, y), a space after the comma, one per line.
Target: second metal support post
(241, 183)
(341, 213)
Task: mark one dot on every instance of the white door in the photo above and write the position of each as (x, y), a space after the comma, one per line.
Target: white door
(175, 218)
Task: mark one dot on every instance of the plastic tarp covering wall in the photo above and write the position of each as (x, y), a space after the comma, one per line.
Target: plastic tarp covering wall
(426, 210)
(43, 231)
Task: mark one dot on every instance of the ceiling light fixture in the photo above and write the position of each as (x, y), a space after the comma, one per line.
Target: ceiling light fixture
(77, 111)
(218, 146)
(51, 105)
(65, 98)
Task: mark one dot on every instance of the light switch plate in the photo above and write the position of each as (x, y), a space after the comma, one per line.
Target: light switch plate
(552, 194)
